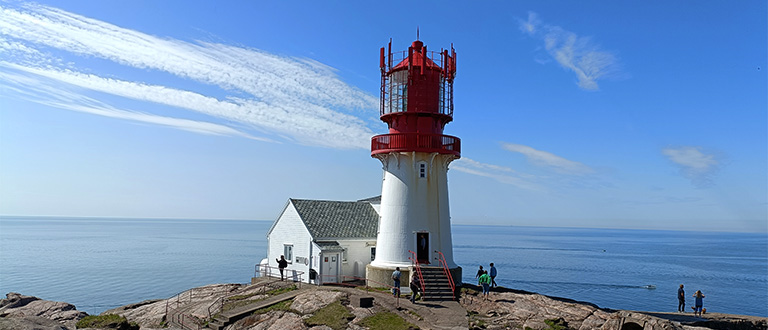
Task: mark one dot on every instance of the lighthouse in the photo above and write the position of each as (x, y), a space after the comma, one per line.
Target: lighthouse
(416, 104)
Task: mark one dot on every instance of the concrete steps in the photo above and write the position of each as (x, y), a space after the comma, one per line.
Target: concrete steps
(437, 287)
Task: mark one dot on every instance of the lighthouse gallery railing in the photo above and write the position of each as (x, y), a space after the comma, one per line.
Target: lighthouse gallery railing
(444, 144)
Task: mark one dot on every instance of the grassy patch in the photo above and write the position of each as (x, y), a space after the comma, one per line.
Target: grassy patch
(281, 306)
(386, 321)
(278, 291)
(108, 321)
(334, 316)
(557, 324)
(475, 322)
(416, 315)
(242, 296)
(554, 324)
(370, 288)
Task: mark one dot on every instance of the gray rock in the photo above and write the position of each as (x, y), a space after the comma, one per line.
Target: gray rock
(277, 320)
(18, 311)
(32, 323)
(310, 302)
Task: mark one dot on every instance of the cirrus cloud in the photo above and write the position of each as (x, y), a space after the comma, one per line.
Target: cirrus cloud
(298, 100)
(694, 164)
(574, 53)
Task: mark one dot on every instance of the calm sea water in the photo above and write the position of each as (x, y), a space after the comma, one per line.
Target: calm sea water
(98, 264)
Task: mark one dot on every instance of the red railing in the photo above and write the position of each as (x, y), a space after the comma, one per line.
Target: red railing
(444, 144)
(447, 272)
(417, 269)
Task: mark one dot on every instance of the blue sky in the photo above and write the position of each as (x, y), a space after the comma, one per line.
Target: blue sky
(580, 114)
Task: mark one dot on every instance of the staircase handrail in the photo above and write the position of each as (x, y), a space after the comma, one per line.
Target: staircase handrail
(417, 267)
(177, 297)
(181, 318)
(447, 272)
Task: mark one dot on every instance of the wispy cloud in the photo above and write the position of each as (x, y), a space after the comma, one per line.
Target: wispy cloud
(694, 164)
(548, 160)
(575, 53)
(501, 174)
(57, 97)
(297, 99)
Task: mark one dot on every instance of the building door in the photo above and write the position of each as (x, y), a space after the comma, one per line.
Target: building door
(422, 248)
(330, 268)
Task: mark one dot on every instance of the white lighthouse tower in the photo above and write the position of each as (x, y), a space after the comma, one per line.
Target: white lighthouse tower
(416, 104)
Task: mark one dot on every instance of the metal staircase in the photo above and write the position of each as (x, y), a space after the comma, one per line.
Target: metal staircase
(437, 286)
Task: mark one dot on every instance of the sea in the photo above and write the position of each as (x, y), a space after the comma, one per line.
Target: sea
(102, 263)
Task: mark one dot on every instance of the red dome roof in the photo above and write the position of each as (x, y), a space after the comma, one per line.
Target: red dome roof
(418, 57)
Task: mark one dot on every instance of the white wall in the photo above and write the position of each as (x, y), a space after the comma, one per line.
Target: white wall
(358, 251)
(289, 229)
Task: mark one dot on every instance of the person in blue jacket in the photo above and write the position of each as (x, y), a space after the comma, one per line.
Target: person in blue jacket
(698, 306)
(396, 278)
(493, 275)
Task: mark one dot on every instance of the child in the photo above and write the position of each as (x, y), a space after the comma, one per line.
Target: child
(699, 303)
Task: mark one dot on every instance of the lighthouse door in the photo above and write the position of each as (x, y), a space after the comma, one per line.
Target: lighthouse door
(422, 248)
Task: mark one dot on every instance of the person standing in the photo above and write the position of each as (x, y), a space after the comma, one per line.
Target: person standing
(281, 264)
(493, 275)
(485, 281)
(681, 299)
(699, 303)
(396, 278)
(479, 272)
(415, 286)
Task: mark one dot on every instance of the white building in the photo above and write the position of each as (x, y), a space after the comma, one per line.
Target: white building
(336, 239)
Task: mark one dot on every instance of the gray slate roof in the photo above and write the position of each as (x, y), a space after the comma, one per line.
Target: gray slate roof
(372, 200)
(335, 219)
(330, 246)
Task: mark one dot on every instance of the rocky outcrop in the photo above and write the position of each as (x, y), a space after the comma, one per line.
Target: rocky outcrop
(27, 312)
(506, 309)
(151, 314)
(277, 320)
(519, 309)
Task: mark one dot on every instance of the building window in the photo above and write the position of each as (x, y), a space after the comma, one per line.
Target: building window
(344, 255)
(373, 253)
(422, 170)
(288, 252)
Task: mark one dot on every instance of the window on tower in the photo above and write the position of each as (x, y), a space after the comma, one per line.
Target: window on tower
(422, 170)
(398, 92)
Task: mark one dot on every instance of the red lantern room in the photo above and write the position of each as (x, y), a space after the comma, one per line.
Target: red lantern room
(416, 101)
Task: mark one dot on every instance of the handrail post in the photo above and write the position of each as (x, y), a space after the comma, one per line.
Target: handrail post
(417, 268)
(447, 272)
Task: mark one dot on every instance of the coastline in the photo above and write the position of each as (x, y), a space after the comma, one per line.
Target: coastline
(506, 308)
